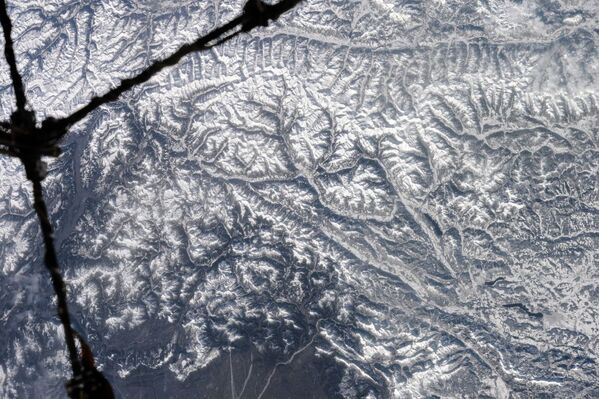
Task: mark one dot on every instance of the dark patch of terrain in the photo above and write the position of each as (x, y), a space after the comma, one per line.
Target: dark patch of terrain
(308, 376)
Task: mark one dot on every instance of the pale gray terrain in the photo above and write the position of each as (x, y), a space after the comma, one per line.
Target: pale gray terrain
(368, 199)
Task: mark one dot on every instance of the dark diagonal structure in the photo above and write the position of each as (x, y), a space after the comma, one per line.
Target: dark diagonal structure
(23, 138)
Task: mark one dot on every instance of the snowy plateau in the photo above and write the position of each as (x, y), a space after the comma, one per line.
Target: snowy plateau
(366, 199)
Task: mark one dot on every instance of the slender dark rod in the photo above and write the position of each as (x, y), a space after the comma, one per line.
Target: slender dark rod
(9, 54)
(255, 14)
(51, 262)
(145, 75)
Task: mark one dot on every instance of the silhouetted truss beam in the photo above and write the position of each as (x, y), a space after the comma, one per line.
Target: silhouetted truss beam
(21, 138)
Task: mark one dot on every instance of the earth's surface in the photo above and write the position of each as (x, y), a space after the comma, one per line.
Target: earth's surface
(368, 199)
